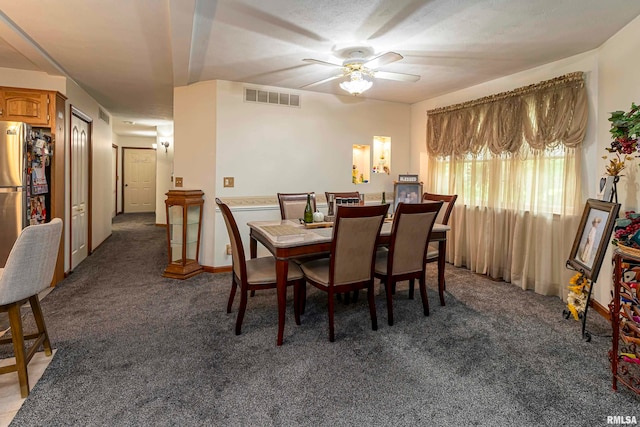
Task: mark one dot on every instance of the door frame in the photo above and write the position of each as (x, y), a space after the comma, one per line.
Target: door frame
(82, 116)
(115, 178)
(122, 181)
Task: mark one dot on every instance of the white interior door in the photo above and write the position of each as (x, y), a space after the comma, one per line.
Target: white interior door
(139, 180)
(79, 189)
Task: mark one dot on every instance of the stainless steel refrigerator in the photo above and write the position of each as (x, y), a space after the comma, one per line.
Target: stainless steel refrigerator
(25, 158)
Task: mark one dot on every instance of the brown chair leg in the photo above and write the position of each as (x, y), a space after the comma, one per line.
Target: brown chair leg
(303, 297)
(411, 286)
(387, 288)
(296, 302)
(253, 293)
(232, 295)
(42, 328)
(241, 310)
(423, 294)
(372, 307)
(356, 293)
(17, 337)
(331, 307)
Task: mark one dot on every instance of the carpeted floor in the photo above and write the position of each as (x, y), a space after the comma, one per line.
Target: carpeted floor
(134, 348)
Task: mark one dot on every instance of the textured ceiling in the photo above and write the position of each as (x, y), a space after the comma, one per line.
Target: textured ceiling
(130, 54)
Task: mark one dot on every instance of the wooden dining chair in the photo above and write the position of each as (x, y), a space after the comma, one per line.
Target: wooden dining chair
(408, 245)
(292, 205)
(253, 274)
(28, 271)
(344, 195)
(442, 218)
(350, 265)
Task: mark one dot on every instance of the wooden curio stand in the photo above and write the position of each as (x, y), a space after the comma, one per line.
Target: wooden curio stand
(183, 233)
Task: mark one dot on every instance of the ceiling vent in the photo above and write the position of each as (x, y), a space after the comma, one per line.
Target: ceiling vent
(273, 98)
(102, 115)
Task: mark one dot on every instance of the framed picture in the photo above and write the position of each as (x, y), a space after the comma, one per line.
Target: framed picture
(605, 192)
(407, 193)
(592, 238)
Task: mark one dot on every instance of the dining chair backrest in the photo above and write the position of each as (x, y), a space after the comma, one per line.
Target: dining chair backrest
(30, 265)
(237, 249)
(445, 212)
(353, 248)
(410, 234)
(292, 205)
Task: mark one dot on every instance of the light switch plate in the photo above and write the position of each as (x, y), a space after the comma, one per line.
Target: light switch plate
(228, 181)
(178, 181)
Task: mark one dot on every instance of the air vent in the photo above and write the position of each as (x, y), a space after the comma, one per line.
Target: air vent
(273, 98)
(103, 116)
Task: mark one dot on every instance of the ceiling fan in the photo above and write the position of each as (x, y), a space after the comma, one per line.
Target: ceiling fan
(361, 70)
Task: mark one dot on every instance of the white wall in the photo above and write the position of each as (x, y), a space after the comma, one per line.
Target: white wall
(619, 86)
(101, 142)
(101, 145)
(271, 148)
(612, 84)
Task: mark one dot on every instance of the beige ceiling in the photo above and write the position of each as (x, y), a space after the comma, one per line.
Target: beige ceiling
(129, 54)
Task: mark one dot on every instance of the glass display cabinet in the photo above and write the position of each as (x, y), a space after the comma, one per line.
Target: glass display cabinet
(184, 224)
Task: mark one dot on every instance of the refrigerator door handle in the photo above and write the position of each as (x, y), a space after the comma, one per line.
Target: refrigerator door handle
(10, 189)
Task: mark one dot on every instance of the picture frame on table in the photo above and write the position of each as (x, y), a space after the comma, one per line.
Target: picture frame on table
(405, 192)
(605, 192)
(593, 237)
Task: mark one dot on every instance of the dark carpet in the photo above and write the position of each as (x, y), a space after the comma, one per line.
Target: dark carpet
(138, 349)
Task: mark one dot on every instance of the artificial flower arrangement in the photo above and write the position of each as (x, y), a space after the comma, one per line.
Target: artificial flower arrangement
(625, 130)
(578, 295)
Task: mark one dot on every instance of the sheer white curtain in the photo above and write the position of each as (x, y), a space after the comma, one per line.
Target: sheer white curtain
(513, 159)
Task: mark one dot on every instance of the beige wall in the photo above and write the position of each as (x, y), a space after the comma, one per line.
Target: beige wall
(270, 149)
(612, 84)
(619, 86)
(102, 137)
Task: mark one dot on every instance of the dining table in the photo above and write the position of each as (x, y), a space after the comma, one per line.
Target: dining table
(287, 240)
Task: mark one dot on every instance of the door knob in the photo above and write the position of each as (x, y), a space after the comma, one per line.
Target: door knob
(126, 185)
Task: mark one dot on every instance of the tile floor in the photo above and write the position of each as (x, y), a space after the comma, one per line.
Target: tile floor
(10, 400)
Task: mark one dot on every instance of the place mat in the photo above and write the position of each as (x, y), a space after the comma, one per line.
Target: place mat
(282, 230)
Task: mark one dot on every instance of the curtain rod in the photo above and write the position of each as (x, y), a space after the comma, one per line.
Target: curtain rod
(577, 76)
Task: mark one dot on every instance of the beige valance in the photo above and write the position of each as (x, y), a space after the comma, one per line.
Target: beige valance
(543, 115)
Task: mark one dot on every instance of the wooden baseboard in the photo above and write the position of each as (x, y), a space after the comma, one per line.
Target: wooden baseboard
(161, 225)
(224, 269)
(600, 309)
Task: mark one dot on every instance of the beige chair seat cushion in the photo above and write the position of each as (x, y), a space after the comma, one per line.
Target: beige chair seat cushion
(262, 271)
(317, 270)
(381, 261)
(432, 251)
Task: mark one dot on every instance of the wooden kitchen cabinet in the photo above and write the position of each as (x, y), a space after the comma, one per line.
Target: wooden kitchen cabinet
(35, 107)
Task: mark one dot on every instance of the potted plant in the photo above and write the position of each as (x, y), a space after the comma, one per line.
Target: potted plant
(625, 130)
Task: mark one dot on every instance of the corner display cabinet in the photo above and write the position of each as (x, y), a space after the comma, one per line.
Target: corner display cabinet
(625, 321)
(184, 223)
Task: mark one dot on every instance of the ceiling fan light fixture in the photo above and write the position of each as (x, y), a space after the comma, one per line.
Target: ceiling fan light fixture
(357, 84)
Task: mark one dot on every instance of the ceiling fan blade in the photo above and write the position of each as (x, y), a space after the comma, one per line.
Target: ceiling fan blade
(337, 76)
(317, 61)
(384, 59)
(401, 77)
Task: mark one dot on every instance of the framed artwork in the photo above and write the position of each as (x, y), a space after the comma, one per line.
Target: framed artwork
(592, 238)
(407, 193)
(605, 192)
